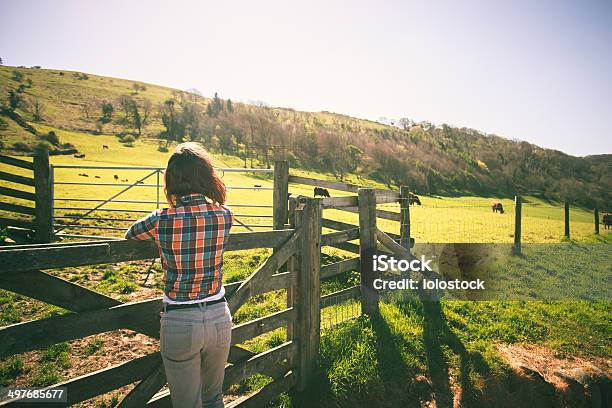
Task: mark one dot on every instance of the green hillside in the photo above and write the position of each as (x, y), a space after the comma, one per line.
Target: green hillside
(429, 159)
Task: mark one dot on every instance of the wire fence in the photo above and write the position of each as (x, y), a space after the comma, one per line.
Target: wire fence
(337, 309)
(105, 200)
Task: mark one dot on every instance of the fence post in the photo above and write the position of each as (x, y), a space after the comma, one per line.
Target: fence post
(43, 218)
(567, 220)
(518, 203)
(308, 322)
(292, 266)
(279, 198)
(367, 249)
(405, 217)
(596, 215)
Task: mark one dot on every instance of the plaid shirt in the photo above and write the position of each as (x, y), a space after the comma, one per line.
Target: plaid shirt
(191, 238)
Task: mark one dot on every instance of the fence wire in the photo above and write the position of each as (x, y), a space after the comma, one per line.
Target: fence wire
(337, 309)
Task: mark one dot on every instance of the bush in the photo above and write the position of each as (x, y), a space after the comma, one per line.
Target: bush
(128, 140)
(52, 138)
(22, 147)
(162, 148)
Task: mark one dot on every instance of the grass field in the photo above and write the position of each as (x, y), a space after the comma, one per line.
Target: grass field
(439, 219)
(414, 354)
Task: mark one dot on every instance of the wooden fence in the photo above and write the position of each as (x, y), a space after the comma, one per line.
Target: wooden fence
(292, 364)
(38, 217)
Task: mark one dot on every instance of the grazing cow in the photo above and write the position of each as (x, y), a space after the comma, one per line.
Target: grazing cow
(116, 177)
(257, 185)
(125, 180)
(83, 175)
(318, 191)
(607, 221)
(97, 176)
(104, 147)
(80, 155)
(497, 207)
(414, 199)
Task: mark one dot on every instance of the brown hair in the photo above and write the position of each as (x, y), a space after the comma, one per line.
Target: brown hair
(190, 171)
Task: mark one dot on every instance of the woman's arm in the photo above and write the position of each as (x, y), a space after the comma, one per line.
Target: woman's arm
(145, 229)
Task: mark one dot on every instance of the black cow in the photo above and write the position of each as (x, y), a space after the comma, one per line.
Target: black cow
(414, 199)
(80, 155)
(104, 147)
(607, 221)
(319, 191)
(497, 207)
(116, 177)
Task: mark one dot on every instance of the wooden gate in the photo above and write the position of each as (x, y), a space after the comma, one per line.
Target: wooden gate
(289, 364)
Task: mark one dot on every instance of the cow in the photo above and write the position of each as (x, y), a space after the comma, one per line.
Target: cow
(607, 221)
(414, 199)
(97, 176)
(497, 207)
(125, 180)
(319, 191)
(116, 177)
(83, 175)
(104, 147)
(80, 155)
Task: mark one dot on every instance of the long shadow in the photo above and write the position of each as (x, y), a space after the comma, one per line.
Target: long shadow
(398, 377)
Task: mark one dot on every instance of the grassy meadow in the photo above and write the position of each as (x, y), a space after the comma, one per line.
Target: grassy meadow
(413, 355)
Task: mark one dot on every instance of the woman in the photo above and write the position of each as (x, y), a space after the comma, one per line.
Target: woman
(191, 236)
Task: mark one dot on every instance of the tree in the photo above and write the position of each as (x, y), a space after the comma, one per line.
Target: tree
(137, 113)
(15, 100)
(107, 112)
(37, 109)
(405, 123)
(229, 106)
(140, 113)
(1, 62)
(169, 116)
(215, 106)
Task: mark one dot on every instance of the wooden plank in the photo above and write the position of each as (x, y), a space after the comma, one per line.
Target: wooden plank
(354, 292)
(384, 214)
(256, 282)
(367, 249)
(267, 362)
(20, 209)
(401, 252)
(144, 390)
(44, 196)
(9, 222)
(16, 162)
(351, 188)
(280, 195)
(38, 334)
(387, 198)
(105, 380)
(10, 192)
(336, 268)
(339, 202)
(308, 323)
(267, 393)
(23, 257)
(337, 225)
(347, 246)
(340, 237)
(257, 327)
(13, 178)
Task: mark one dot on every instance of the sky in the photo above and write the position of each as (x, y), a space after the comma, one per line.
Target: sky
(539, 71)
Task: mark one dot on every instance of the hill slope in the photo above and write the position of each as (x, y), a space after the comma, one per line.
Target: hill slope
(429, 159)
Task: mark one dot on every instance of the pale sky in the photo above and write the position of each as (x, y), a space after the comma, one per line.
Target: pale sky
(539, 71)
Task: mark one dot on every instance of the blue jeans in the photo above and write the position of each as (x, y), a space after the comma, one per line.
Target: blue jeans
(194, 344)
